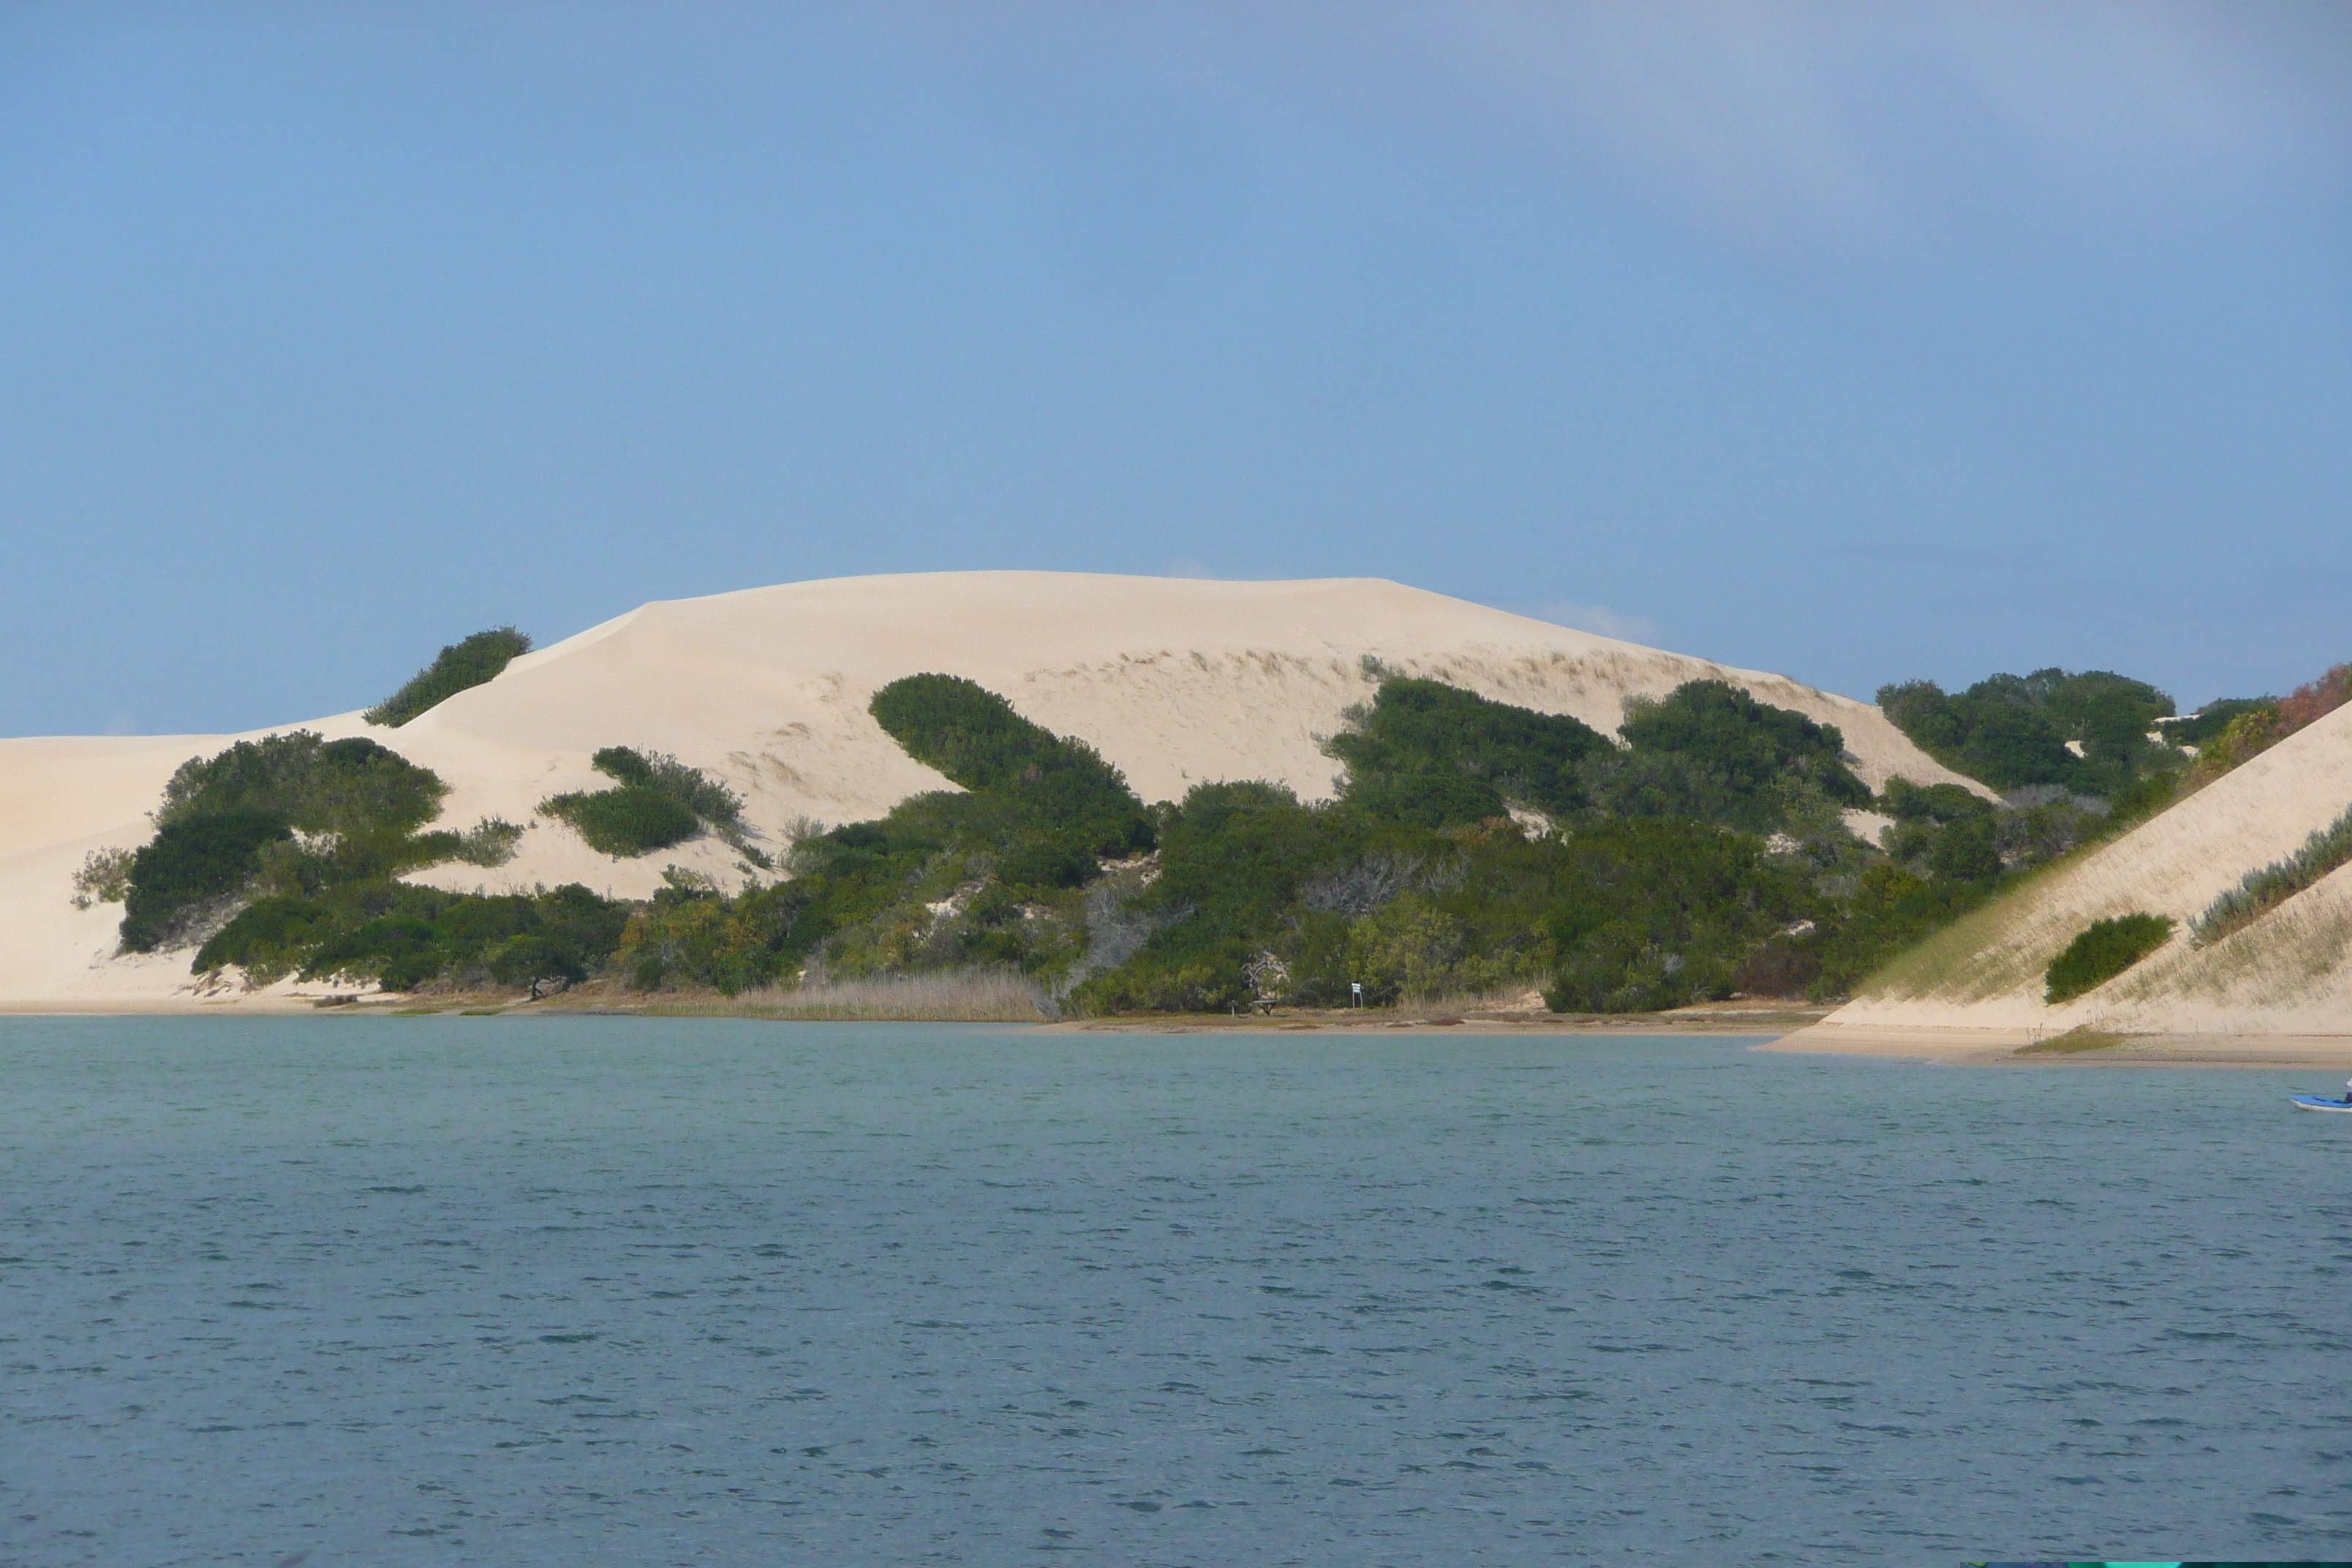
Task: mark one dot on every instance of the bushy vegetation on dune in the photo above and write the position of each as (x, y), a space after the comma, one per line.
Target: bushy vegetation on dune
(2011, 730)
(1048, 785)
(2263, 890)
(1708, 752)
(1424, 752)
(293, 808)
(1700, 854)
(2104, 951)
(406, 937)
(190, 868)
(993, 876)
(656, 802)
(290, 816)
(2236, 729)
(462, 664)
(350, 786)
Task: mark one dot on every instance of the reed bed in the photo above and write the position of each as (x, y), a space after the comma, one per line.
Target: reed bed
(964, 996)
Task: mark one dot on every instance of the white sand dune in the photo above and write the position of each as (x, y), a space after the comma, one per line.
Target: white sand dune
(1175, 680)
(2285, 974)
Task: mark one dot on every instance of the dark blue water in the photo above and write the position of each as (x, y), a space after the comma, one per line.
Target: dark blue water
(446, 1290)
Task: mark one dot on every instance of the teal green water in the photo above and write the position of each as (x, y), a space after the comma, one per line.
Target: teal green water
(447, 1290)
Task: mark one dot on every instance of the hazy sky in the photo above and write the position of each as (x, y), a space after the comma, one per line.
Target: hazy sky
(1855, 341)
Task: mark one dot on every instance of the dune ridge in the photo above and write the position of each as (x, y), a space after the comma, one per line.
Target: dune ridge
(1176, 680)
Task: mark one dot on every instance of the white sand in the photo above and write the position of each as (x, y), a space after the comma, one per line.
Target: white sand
(2284, 975)
(1175, 680)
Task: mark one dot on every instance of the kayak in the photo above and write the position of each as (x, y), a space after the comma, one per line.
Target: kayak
(2320, 1102)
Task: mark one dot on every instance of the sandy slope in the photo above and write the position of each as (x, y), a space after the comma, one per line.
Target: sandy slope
(1175, 680)
(2284, 975)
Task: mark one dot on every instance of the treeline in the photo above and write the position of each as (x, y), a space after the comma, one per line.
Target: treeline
(1473, 844)
(2114, 744)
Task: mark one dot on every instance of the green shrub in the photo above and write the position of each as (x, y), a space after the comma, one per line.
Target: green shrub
(534, 960)
(1035, 777)
(406, 937)
(288, 815)
(1649, 915)
(192, 866)
(461, 665)
(2010, 731)
(1709, 750)
(2103, 951)
(348, 786)
(2264, 889)
(1424, 799)
(102, 878)
(2208, 722)
(1426, 730)
(659, 801)
(632, 819)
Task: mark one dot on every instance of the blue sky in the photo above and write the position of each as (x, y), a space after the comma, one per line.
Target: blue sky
(1857, 343)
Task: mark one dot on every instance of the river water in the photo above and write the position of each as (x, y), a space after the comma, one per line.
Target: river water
(575, 1291)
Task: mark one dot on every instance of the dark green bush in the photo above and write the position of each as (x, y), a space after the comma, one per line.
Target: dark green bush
(194, 864)
(1425, 800)
(534, 960)
(624, 764)
(632, 819)
(477, 660)
(1035, 777)
(2103, 951)
(1708, 750)
(288, 816)
(1650, 915)
(406, 937)
(2010, 731)
(1425, 729)
(352, 786)
(2213, 718)
(659, 801)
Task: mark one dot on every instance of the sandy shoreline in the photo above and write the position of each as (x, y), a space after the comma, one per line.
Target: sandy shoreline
(1778, 1027)
(2016, 1047)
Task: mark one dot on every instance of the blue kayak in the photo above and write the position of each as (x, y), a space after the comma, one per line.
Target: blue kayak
(2320, 1102)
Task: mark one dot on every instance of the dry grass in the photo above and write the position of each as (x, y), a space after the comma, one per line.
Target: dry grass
(1993, 949)
(962, 996)
(2074, 1042)
(1513, 999)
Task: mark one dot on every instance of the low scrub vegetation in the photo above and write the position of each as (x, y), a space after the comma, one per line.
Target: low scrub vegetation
(2104, 951)
(964, 996)
(2264, 889)
(2235, 730)
(458, 667)
(656, 802)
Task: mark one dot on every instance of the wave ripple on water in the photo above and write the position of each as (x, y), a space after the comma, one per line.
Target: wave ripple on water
(634, 1291)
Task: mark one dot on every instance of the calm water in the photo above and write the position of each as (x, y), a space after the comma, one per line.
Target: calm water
(425, 1291)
